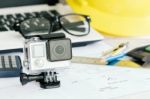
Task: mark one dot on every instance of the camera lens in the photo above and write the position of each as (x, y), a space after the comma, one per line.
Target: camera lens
(59, 49)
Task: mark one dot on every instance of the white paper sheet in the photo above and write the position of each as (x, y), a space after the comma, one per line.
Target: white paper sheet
(83, 82)
(11, 40)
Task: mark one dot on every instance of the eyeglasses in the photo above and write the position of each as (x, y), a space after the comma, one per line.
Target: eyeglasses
(74, 24)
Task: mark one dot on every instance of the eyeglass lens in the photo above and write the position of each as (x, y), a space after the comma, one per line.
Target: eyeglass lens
(35, 26)
(77, 25)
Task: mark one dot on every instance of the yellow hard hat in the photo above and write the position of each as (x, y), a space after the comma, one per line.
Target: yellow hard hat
(116, 17)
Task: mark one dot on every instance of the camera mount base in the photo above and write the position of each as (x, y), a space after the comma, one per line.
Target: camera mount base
(47, 80)
(49, 85)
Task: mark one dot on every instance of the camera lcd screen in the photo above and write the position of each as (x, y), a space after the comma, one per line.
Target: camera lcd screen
(38, 51)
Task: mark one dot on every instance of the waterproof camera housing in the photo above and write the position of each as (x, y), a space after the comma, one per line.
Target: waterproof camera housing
(44, 55)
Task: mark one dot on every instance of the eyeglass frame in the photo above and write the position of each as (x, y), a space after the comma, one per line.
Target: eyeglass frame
(57, 20)
(53, 23)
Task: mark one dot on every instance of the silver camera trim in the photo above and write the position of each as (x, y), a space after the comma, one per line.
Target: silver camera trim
(29, 61)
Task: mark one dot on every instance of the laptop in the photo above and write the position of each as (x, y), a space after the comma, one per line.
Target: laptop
(12, 10)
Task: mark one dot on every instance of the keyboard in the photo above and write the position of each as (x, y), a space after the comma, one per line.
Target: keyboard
(7, 21)
(14, 40)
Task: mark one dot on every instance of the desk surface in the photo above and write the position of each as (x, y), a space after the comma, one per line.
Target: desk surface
(82, 81)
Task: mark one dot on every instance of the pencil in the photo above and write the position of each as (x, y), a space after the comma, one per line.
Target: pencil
(88, 60)
(117, 50)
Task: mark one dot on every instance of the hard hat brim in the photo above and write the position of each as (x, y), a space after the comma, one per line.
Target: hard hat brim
(112, 24)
